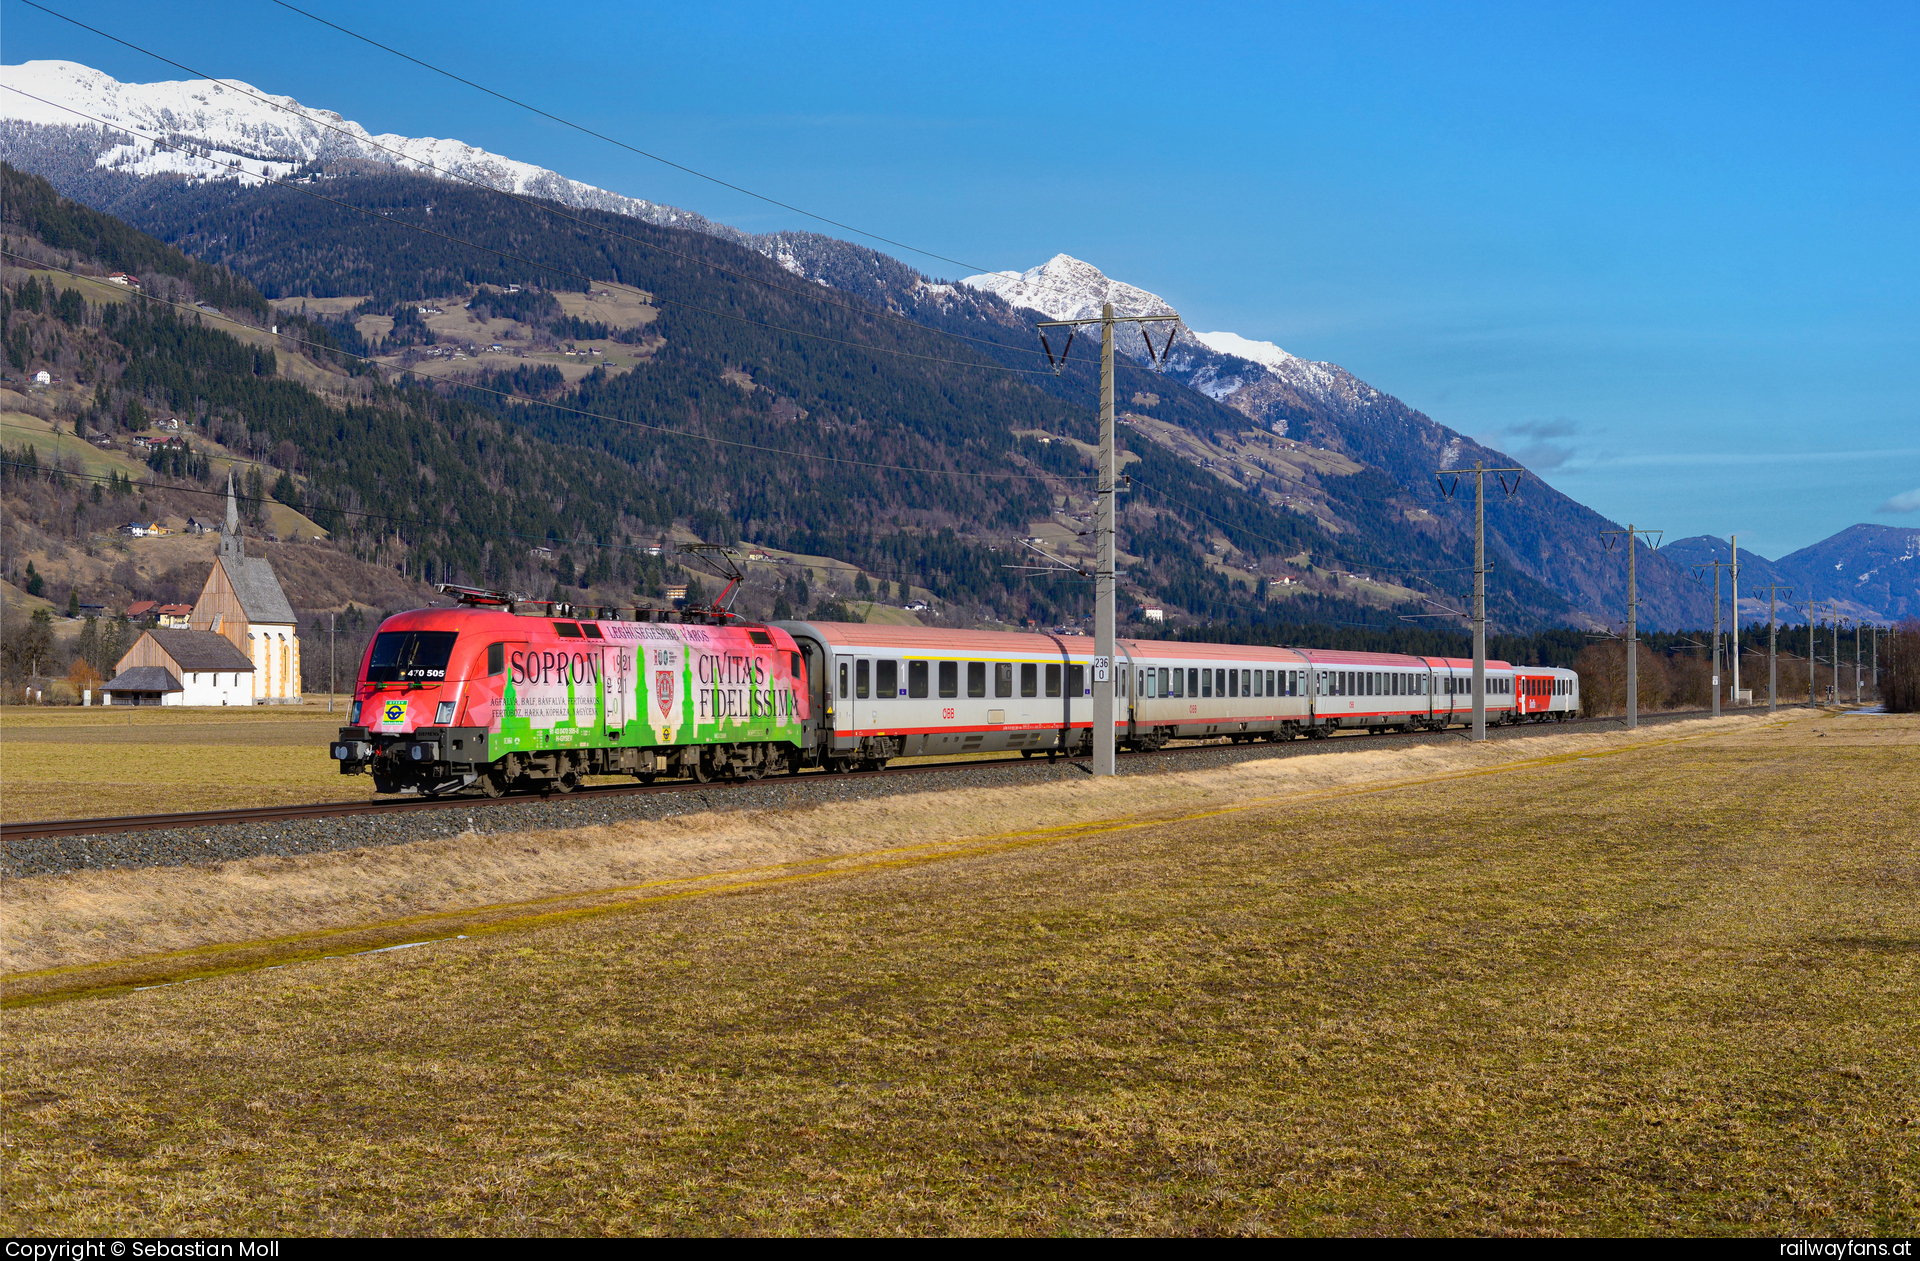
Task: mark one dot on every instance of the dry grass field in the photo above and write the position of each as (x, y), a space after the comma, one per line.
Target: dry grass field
(1661, 984)
(73, 763)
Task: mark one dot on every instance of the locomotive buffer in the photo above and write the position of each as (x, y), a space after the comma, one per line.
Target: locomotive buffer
(1104, 675)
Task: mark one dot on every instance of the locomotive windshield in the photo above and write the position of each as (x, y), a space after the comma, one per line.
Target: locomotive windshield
(410, 656)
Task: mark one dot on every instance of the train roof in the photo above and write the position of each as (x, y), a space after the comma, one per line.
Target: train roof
(923, 638)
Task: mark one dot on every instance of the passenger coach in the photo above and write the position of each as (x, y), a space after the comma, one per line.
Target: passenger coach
(881, 692)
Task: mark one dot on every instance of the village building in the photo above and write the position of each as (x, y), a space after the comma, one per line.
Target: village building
(181, 667)
(239, 644)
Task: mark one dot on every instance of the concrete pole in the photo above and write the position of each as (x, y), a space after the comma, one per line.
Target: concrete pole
(1810, 665)
(1734, 656)
(1834, 687)
(1633, 637)
(1876, 661)
(330, 678)
(1856, 663)
(1480, 601)
(1716, 641)
(1103, 581)
(1773, 647)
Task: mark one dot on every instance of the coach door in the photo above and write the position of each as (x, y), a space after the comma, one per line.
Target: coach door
(842, 692)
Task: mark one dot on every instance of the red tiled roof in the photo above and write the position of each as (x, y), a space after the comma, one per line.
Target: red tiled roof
(140, 608)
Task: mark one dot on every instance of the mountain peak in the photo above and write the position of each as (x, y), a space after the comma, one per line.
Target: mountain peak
(1067, 288)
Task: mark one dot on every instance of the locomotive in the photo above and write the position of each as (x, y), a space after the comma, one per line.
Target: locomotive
(482, 696)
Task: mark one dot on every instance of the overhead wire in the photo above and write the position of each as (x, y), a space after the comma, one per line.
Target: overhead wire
(564, 122)
(618, 420)
(538, 266)
(549, 207)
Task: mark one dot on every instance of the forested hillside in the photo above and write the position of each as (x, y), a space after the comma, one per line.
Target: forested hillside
(734, 367)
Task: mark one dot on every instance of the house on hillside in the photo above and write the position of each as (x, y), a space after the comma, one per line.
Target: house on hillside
(175, 616)
(181, 667)
(243, 602)
(141, 610)
(123, 280)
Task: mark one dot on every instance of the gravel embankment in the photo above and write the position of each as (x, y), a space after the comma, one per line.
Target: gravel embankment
(587, 809)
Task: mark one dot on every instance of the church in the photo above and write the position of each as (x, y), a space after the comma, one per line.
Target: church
(241, 646)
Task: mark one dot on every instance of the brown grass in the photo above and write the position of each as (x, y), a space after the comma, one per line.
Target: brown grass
(61, 763)
(86, 917)
(1667, 991)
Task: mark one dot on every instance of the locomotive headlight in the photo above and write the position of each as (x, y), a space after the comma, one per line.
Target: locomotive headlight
(353, 715)
(443, 714)
(419, 752)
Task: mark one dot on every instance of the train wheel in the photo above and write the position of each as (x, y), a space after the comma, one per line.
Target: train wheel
(1026, 753)
(493, 784)
(566, 783)
(757, 769)
(703, 768)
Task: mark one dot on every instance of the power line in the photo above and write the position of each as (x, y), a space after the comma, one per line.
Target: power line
(538, 266)
(549, 207)
(714, 179)
(618, 420)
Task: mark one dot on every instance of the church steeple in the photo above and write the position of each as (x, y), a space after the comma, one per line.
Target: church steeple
(230, 545)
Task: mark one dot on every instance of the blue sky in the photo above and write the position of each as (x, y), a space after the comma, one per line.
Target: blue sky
(1665, 254)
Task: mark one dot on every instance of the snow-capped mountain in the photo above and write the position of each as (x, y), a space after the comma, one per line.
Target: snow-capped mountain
(1256, 378)
(204, 129)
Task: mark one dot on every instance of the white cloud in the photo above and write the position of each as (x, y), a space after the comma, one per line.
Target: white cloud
(1909, 502)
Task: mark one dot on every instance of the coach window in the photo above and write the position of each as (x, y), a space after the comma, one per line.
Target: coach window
(886, 680)
(861, 689)
(1053, 679)
(1230, 686)
(976, 678)
(1076, 680)
(1029, 679)
(1179, 684)
(843, 680)
(1206, 683)
(1003, 678)
(496, 659)
(917, 680)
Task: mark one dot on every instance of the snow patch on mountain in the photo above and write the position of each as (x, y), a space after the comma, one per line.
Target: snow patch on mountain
(1266, 354)
(205, 129)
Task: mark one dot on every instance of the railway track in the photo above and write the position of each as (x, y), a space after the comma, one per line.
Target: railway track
(50, 828)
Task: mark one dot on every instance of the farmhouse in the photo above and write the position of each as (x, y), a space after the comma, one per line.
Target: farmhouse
(181, 667)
